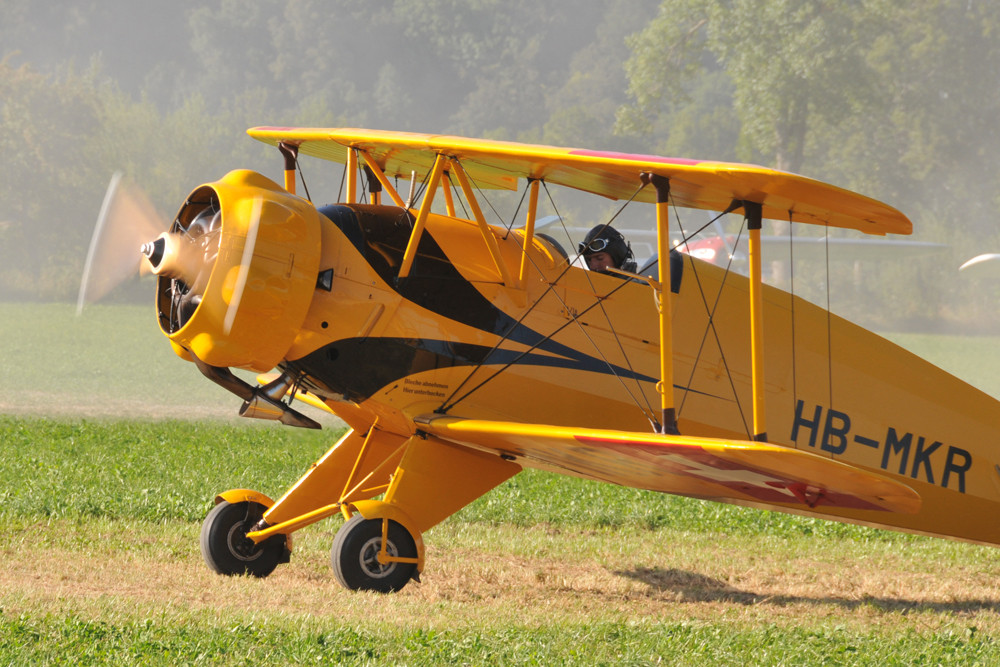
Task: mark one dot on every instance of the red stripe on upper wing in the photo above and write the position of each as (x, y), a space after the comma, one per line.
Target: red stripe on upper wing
(611, 155)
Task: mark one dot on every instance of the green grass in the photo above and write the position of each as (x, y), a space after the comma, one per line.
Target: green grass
(111, 360)
(119, 489)
(103, 484)
(143, 470)
(35, 641)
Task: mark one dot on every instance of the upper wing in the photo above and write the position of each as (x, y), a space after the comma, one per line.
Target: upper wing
(750, 472)
(693, 183)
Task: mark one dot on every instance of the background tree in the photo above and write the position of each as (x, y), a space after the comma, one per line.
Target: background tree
(898, 101)
(785, 67)
(42, 197)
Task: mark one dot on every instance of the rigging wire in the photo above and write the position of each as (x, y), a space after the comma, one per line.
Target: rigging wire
(405, 213)
(607, 318)
(482, 195)
(455, 191)
(343, 177)
(302, 176)
(446, 406)
(550, 287)
(513, 218)
(561, 219)
(523, 354)
(710, 325)
(363, 180)
(628, 362)
(421, 189)
(687, 237)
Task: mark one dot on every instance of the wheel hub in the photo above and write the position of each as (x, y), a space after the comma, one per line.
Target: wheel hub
(241, 546)
(368, 558)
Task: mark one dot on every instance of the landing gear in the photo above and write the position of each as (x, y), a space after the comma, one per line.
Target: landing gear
(354, 556)
(226, 548)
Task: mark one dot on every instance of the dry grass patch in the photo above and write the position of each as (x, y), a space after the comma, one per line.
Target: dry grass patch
(495, 576)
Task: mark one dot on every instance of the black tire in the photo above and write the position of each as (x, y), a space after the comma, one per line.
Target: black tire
(355, 550)
(226, 548)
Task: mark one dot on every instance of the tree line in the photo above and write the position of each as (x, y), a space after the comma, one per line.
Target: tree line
(896, 100)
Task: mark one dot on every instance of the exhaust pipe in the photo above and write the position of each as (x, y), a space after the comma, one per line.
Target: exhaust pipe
(266, 403)
(258, 402)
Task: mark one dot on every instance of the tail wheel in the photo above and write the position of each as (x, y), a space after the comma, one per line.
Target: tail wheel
(226, 547)
(354, 556)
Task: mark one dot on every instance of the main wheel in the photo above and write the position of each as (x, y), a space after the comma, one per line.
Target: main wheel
(354, 556)
(226, 547)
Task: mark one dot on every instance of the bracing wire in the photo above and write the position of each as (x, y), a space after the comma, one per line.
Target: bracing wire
(422, 188)
(482, 195)
(366, 196)
(449, 404)
(445, 405)
(513, 217)
(341, 195)
(607, 318)
(710, 326)
(685, 238)
(523, 354)
(302, 177)
(461, 200)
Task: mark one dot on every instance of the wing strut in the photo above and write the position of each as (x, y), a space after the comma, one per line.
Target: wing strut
(425, 209)
(665, 387)
(484, 228)
(753, 212)
(383, 181)
(529, 231)
(352, 176)
(291, 154)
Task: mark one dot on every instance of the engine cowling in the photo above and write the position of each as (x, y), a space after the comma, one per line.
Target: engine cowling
(237, 272)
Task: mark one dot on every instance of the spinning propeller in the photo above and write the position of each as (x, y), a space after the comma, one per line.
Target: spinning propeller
(184, 255)
(236, 273)
(127, 219)
(983, 265)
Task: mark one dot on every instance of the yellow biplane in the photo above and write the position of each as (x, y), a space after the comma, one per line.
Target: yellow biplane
(460, 352)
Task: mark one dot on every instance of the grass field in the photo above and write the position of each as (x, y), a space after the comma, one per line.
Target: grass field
(101, 514)
(101, 564)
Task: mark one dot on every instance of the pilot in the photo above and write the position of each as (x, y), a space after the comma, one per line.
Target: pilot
(605, 248)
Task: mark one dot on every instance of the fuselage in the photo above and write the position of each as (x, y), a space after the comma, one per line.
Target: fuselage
(569, 347)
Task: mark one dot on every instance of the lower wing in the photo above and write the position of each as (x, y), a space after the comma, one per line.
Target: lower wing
(710, 468)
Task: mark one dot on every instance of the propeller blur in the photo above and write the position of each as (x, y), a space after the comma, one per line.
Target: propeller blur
(127, 219)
